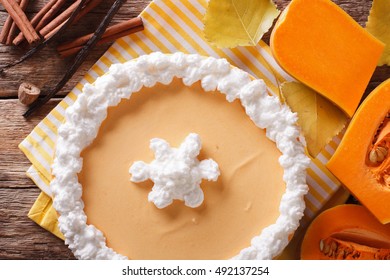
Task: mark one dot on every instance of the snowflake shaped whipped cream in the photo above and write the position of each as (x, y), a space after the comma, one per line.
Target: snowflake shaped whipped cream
(176, 172)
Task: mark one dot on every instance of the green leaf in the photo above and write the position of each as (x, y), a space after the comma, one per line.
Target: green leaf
(378, 24)
(232, 23)
(320, 119)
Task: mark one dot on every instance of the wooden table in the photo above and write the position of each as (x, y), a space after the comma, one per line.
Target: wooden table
(20, 238)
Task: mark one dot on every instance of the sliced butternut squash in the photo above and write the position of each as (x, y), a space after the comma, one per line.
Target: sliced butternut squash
(323, 47)
(346, 232)
(362, 160)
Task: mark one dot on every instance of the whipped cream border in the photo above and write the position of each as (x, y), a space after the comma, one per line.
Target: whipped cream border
(84, 117)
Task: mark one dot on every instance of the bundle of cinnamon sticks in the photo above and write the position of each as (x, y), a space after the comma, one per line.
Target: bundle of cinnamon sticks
(17, 19)
(49, 20)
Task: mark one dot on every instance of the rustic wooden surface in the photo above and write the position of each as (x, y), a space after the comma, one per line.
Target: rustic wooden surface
(20, 238)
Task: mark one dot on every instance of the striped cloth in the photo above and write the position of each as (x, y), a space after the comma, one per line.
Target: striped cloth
(170, 26)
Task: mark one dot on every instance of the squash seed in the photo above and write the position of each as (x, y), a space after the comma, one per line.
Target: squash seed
(326, 249)
(373, 156)
(321, 245)
(378, 154)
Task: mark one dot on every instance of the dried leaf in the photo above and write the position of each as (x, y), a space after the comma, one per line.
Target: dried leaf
(378, 24)
(319, 118)
(232, 23)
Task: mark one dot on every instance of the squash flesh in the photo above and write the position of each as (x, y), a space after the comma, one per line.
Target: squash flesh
(346, 232)
(350, 162)
(323, 47)
(336, 249)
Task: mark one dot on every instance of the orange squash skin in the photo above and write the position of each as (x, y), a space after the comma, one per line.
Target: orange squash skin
(350, 164)
(336, 220)
(320, 45)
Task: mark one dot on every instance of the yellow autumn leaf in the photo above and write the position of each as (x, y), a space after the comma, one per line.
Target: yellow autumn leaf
(232, 23)
(378, 24)
(320, 119)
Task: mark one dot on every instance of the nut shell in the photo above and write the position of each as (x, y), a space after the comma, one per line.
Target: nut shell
(28, 93)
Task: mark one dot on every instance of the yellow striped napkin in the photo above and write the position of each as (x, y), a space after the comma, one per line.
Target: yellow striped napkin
(170, 26)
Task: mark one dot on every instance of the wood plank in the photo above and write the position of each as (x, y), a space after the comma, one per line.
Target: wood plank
(46, 75)
(13, 129)
(358, 9)
(20, 237)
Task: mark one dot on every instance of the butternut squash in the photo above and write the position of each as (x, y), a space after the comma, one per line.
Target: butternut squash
(323, 47)
(346, 232)
(362, 160)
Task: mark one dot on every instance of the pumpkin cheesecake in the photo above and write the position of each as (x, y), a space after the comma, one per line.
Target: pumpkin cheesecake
(178, 157)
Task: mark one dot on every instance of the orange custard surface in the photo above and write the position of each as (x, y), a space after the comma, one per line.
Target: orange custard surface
(243, 201)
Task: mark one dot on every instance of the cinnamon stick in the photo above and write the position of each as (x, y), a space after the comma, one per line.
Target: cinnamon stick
(23, 5)
(90, 5)
(50, 14)
(111, 34)
(36, 19)
(86, 9)
(59, 19)
(21, 20)
(6, 28)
